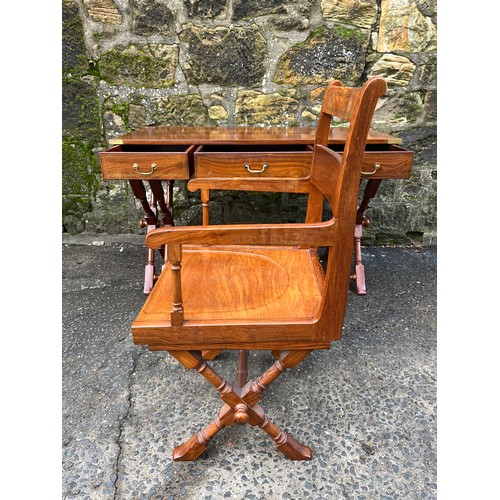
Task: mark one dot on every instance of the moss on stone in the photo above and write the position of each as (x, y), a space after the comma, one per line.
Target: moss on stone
(73, 42)
(411, 108)
(80, 182)
(80, 110)
(93, 69)
(145, 66)
(122, 110)
(317, 32)
(80, 167)
(350, 33)
(386, 239)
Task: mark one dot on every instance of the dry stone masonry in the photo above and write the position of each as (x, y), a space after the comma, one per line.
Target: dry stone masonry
(134, 63)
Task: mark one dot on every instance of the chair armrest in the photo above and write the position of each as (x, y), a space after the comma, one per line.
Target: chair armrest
(302, 234)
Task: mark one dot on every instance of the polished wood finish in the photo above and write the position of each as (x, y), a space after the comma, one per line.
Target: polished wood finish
(150, 221)
(125, 162)
(174, 253)
(274, 185)
(241, 405)
(251, 164)
(249, 168)
(385, 162)
(241, 136)
(140, 193)
(238, 158)
(255, 283)
(389, 162)
(166, 211)
(262, 286)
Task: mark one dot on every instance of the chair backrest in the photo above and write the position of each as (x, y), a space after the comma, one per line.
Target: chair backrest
(337, 178)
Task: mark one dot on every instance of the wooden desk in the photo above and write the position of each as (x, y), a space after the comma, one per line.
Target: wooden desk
(236, 156)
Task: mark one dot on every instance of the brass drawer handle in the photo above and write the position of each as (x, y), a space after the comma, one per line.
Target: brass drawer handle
(376, 167)
(264, 166)
(154, 166)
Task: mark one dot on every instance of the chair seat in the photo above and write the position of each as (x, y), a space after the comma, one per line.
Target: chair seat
(241, 283)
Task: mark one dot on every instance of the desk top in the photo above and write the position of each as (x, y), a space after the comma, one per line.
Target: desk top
(241, 135)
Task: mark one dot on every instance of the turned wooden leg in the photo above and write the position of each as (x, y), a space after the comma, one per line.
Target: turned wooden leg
(285, 443)
(150, 221)
(212, 354)
(205, 204)
(359, 268)
(165, 210)
(243, 368)
(149, 272)
(241, 404)
(197, 444)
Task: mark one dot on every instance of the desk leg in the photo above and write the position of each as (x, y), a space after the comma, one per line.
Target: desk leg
(151, 222)
(140, 193)
(165, 210)
(359, 269)
(165, 204)
(169, 199)
(149, 275)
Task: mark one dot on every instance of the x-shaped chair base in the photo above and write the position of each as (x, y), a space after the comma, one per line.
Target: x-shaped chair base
(241, 403)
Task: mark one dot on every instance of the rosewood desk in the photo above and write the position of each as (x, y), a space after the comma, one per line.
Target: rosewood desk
(233, 158)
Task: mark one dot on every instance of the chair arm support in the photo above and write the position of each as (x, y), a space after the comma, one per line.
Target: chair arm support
(317, 234)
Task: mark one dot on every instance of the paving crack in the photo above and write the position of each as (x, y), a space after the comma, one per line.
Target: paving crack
(122, 421)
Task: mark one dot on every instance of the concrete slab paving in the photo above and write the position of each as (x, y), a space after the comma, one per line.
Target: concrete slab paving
(367, 407)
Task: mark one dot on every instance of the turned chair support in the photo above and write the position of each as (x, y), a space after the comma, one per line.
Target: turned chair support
(241, 404)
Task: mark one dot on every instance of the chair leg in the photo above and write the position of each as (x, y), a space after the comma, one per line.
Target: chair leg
(197, 444)
(287, 444)
(212, 354)
(241, 404)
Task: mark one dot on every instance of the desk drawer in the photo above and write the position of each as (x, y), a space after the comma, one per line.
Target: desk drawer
(380, 161)
(146, 162)
(252, 162)
(384, 161)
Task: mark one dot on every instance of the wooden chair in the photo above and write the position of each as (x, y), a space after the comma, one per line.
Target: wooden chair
(261, 286)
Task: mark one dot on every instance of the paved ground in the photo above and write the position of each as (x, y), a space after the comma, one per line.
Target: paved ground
(367, 407)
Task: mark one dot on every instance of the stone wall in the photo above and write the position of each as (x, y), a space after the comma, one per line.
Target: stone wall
(134, 63)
